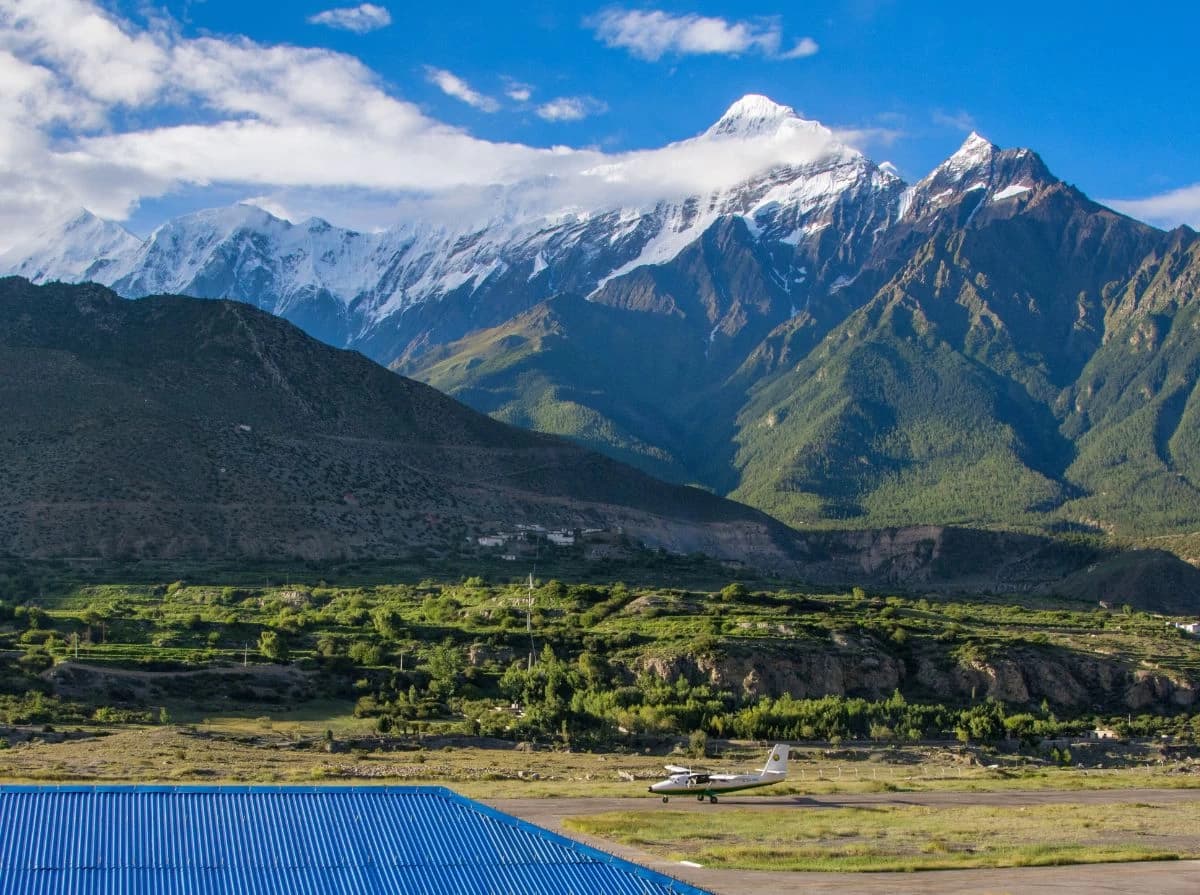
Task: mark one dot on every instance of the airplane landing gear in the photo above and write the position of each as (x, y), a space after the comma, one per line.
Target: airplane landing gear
(712, 799)
(700, 798)
(665, 799)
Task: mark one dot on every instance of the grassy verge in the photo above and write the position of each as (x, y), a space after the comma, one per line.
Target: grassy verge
(906, 838)
(291, 747)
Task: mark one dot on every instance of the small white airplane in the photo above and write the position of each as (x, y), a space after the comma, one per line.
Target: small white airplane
(684, 781)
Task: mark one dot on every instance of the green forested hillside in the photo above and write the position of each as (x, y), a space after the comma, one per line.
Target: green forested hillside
(1135, 408)
(937, 400)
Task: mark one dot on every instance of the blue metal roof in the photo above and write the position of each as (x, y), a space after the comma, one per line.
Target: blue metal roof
(181, 840)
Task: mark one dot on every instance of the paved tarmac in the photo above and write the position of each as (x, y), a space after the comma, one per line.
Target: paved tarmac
(1158, 877)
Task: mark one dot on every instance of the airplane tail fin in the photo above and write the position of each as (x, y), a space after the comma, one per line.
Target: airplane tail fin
(777, 760)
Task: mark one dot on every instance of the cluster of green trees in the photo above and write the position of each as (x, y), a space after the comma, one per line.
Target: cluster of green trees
(580, 701)
(36, 707)
(596, 668)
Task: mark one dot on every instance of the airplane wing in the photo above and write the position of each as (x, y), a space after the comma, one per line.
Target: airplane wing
(676, 769)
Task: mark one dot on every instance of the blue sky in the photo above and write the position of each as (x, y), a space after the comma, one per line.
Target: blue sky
(1106, 91)
(1106, 94)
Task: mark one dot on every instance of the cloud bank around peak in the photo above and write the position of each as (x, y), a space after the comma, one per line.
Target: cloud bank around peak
(107, 114)
(652, 34)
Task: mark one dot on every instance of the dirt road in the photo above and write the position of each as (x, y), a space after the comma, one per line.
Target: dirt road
(1166, 877)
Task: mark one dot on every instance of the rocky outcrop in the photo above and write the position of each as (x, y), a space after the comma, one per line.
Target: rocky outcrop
(867, 669)
(805, 674)
(1150, 688)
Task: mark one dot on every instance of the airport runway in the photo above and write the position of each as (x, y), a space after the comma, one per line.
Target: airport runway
(1162, 877)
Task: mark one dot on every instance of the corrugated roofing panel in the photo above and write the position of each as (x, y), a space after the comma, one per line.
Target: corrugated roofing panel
(291, 841)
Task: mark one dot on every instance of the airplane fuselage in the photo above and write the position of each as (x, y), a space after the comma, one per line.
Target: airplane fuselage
(702, 785)
(685, 781)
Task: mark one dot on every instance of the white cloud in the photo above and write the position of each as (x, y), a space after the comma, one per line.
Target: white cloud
(959, 121)
(804, 47)
(359, 19)
(859, 137)
(452, 85)
(274, 206)
(652, 34)
(517, 90)
(103, 61)
(571, 108)
(1181, 206)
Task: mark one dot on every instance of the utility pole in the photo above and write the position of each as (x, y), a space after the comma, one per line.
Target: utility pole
(529, 607)
(529, 620)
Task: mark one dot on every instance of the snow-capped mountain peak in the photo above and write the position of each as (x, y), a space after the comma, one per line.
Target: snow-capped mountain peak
(224, 220)
(976, 153)
(976, 143)
(753, 115)
(243, 251)
(980, 174)
(77, 246)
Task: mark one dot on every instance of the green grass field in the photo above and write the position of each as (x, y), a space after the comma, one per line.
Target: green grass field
(907, 838)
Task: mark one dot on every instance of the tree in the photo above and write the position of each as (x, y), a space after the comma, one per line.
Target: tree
(982, 723)
(735, 591)
(389, 622)
(272, 645)
(591, 666)
(36, 617)
(445, 665)
(364, 652)
(92, 618)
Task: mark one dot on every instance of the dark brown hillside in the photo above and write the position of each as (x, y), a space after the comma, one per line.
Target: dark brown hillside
(183, 428)
(177, 427)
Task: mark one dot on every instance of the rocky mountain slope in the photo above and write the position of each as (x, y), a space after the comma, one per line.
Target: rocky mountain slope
(180, 428)
(985, 347)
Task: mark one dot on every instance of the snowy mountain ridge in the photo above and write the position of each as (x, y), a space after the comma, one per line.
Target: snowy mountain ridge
(77, 247)
(817, 204)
